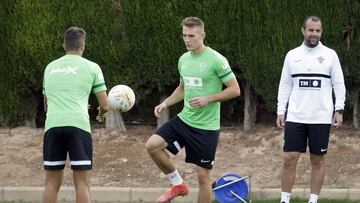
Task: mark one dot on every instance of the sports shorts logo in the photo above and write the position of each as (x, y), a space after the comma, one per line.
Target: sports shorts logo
(204, 161)
(323, 150)
(313, 83)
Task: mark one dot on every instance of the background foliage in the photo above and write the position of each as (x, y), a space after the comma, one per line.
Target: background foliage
(138, 43)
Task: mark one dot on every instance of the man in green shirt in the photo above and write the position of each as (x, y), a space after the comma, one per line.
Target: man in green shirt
(68, 82)
(203, 71)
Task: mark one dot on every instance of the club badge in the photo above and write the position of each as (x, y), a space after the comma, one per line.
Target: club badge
(321, 59)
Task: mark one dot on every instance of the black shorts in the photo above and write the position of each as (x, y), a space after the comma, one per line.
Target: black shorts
(298, 135)
(59, 141)
(200, 145)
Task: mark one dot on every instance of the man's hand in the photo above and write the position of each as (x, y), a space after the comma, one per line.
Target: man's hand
(101, 115)
(159, 108)
(280, 121)
(199, 101)
(338, 119)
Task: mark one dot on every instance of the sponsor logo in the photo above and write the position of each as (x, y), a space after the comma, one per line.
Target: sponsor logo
(313, 83)
(64, 71)
(226, 66)
(193, 82)
(323, 150)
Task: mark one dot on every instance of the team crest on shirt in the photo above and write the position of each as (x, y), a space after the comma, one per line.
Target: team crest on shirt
(203, 67)
(321, 59)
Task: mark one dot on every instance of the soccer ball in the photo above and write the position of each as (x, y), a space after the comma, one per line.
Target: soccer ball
(121, 98)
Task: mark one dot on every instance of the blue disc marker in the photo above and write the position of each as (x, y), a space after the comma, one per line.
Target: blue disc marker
(230, 187)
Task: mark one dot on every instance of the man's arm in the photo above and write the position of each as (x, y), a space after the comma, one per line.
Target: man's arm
(337, 80)
(232, 90)
(285, 87)
(175, 97)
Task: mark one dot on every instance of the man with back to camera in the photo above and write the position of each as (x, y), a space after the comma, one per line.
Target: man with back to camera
(68, 82)
(310, 74)
(203, 71)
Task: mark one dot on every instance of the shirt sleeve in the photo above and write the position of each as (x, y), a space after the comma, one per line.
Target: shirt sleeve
(223, 70)
(285, 87)
(337, 80)
(99, 82)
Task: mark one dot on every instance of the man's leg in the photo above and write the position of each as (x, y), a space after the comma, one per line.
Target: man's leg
(318, 145)
(155, 146)
(204, 181)
(317, 173)
(288, 173)
(53, 180)
(82, 185)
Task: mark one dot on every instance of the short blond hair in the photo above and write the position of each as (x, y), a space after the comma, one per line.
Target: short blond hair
(193, 22)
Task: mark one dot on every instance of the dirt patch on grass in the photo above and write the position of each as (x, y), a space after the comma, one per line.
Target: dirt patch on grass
(120, 159)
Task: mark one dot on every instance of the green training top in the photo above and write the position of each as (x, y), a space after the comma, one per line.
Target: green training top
(203, 74)
(68, 82)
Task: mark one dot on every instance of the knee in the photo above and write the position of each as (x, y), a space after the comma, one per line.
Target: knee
(53, 186)
(79, 185)
(154, 143)
(317, 161)
(290, 161)
(203, 178)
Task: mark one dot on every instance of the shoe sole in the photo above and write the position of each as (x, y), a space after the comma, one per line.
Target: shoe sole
(182, 195)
